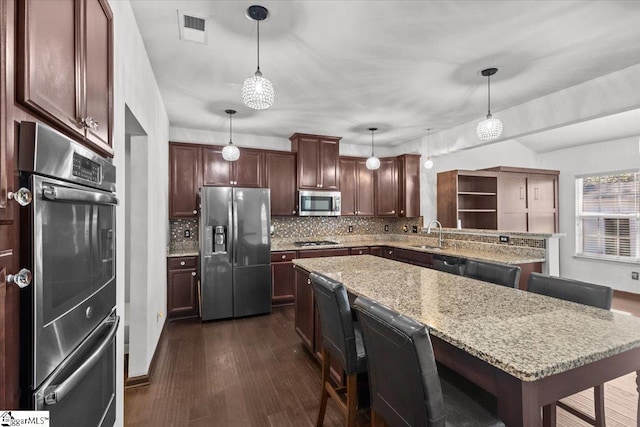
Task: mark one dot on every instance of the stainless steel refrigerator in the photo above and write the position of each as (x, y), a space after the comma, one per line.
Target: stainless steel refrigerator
(235, 252)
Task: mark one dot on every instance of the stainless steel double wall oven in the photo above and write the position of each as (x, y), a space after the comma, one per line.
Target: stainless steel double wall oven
(69, 319)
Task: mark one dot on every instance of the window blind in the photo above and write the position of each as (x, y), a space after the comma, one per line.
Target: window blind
(607, 216)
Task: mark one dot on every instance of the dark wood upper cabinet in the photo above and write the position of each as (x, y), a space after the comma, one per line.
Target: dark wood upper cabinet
(318, 161)
(468, 196)
(65, 67)
(503, 198)
(356, 186)
(215, 169)
(409, 185)
(247, 171)
(281, 179)
(184, 180)
(386, 187)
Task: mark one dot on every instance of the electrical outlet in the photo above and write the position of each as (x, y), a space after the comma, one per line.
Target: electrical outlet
(350, 229)
(405, 228)
(414, 229)
(386, 227)
(504, 239)
(187, 233)
(634, 275)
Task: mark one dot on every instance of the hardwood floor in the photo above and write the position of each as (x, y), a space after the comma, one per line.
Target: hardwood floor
(254, 372)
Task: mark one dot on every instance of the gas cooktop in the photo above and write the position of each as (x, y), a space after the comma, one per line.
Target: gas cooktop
(316, 243)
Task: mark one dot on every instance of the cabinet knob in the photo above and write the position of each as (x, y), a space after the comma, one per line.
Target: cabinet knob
(401, 211)
(23, 196)
(182, 263)
(308, 281)
(284, 257)
(193, 273)
(293, 212)
(359, 252)
(393, 211)
(195, 212)
(90, 123)
(22, 279)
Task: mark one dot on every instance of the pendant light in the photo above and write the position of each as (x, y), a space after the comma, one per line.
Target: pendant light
(373, 162)
(428, 164)
(257, 92)
(230, 152)
(490, 128)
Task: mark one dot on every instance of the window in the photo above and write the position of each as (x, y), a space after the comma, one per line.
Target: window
(607, 216)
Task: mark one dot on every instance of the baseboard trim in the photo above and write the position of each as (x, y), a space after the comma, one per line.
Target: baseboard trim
(145, 380)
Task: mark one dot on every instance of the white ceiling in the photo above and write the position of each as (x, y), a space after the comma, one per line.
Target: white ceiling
(340, 67)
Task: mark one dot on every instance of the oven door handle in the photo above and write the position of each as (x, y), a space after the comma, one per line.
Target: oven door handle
(55, 393)
(65, 194)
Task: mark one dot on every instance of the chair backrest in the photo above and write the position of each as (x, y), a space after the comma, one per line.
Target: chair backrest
(571, 290)
(403, 376)
(448, 264)
(338, 336)
(500, 274)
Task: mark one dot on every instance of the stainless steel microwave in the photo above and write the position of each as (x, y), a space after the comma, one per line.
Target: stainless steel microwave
(318, 203)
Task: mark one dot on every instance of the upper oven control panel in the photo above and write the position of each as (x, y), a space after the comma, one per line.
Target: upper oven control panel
(86, 169)
(46, 152)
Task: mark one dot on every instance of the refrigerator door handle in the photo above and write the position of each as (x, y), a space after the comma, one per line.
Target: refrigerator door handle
(235, 233)
(208, 240)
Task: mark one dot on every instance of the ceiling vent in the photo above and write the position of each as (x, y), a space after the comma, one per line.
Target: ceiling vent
(192, 27)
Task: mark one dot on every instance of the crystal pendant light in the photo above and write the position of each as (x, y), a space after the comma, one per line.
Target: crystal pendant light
(373, 162)
(428, 164)
(490, 128)
(230, 152)
(257, 92)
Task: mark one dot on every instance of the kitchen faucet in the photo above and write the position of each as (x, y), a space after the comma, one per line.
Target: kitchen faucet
(440, 239)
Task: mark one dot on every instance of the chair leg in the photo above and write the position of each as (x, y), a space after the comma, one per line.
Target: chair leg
(326, 371)
(598, 398)
(352, 399)
(549, 415)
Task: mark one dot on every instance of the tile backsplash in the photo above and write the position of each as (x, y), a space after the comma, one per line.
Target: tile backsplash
(303, 227)
(178, 239)
(339, 226)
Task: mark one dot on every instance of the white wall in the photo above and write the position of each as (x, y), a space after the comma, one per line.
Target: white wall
(135, 86)
(200, 136)
(607, 156)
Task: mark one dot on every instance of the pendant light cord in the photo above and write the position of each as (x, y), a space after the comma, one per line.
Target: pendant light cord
(230, 132)
(428, 144)
(372, 142)
(258, 39)
(488, 93)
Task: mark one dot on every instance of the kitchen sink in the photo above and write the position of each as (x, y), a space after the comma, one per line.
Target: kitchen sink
(431, 248)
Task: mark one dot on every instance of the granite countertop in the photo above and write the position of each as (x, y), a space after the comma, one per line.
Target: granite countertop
(506, 254)
(527, 335)
(174, 253)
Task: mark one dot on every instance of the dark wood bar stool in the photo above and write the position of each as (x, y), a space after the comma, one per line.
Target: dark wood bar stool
(342, 340)
(583, 293)
(500, 274)
(406, 389)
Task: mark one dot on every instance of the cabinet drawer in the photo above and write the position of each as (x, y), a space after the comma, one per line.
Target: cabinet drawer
(182, 262)
(283, 256)
(317, 253)
(360, 251)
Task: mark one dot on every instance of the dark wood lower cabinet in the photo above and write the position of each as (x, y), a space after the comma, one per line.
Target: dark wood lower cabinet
(282, 278)
(423, 259)
(307, 322)
(182, 287)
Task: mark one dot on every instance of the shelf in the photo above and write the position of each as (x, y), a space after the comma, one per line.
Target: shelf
(474, 193)
(478, 210)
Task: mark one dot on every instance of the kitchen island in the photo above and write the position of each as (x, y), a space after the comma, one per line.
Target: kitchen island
(526, 349)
